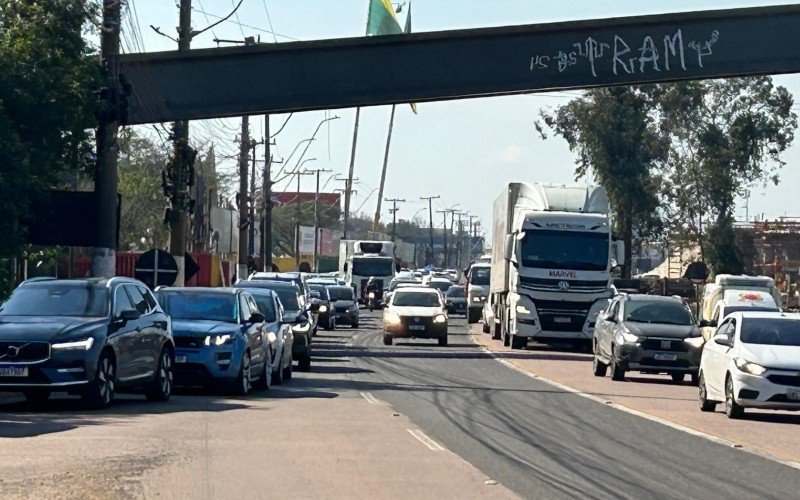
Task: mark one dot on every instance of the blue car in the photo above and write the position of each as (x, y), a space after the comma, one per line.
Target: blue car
(278, 331)
(219, 338)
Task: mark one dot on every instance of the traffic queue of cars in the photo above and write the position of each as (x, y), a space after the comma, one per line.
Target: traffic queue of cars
(744, 353)
(97, 337)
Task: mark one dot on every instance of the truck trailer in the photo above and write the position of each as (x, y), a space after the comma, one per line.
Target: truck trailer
(552, 256)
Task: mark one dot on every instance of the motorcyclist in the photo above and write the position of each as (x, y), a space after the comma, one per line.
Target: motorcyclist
(373, 287)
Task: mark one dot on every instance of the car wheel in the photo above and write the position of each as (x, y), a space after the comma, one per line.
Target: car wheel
(268, 377)
(598, 367)
(99, 393)
(518, 342)
(732, 408)
(354, 324)
(694, 378)
(242, 385)
(472, 317)
(705, 404)
(332, 324)
(160, 389)
(36, 396)
(497, 334)
(678, 377)
(387, 340)
(617, 373)
(485, 327)
(443, 341)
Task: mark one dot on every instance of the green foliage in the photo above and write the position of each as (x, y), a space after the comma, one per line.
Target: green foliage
(616, 140)
(47, 82)
(725, 136)
(142, 214)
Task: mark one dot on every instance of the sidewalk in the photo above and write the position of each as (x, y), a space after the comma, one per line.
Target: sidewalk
(774, 433)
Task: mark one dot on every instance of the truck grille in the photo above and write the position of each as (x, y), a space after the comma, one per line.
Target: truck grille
(559, 316)
(552, 285)
(24, 352)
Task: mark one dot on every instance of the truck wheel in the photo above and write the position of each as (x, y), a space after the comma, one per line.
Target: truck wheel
(518, 342)
(496, 334)
(472, 316)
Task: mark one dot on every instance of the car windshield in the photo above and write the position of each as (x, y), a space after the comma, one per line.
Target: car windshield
(341, 293)
(57, 299)
(415, 299)
(200, 306)
(373, 267)
(662, 312)
(771, 331)
(480, 276)
(733, 309)
(266, 306)
(442, 286)
(314, 287)
(456, 292)
(289, 299)
(578, 251)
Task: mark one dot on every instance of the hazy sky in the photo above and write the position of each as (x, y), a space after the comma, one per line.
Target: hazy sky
(465, 151)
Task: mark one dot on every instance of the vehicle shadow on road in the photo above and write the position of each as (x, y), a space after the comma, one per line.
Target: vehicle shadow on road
(23, 419)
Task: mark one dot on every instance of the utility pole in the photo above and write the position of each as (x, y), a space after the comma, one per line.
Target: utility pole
(459, 240)
(430, 214)
(243, 152)
(251, 230)
(266, 202)
(377, 220)
(297, 215)
(316, 216)
(183, 158)
(470, 238)
(444, 234)
(394, 202)
(104, 255)
(349, 185)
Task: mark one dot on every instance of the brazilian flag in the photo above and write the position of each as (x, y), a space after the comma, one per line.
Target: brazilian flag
(381, 19)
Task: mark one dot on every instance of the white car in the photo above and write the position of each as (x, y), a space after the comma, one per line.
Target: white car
(753, 361)
(415, 312)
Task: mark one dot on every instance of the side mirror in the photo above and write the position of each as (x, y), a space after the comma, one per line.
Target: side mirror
(618, 248)
(257, 317)
(708, 323)
(722, 340)
(508, 247)
(129, 315)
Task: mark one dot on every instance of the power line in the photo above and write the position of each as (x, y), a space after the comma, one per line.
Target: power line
(202, 11)
(269, 20)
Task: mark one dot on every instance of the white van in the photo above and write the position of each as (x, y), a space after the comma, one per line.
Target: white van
(714, 292)
(731, 301)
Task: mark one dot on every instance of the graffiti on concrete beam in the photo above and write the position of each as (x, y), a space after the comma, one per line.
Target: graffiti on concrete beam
(620, 57)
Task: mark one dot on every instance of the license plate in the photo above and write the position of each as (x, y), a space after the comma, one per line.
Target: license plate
(13, 371)
(666, 344)
(180, 359)
(562, 320)
(666, 357)
(793, 394)
(416, 327)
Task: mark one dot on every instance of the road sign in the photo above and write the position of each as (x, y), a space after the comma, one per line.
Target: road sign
(156, 268)
(190, 267)
(418, 67)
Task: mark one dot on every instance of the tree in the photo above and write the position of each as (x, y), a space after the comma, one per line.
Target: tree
(141, 161)
(47, 82)
(617, 140)
(724, 135)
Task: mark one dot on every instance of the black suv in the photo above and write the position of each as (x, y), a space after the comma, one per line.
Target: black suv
(90, 337)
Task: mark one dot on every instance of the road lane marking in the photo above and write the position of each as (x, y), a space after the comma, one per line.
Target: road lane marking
(424, 439)
(370, 398)
(646, 416)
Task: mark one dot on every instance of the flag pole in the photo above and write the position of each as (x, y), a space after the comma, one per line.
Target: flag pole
(377, 221)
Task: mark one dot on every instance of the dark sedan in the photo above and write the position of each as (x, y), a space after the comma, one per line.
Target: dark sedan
(455, 300)
(648, 334)
(219, 338)
(90, 337)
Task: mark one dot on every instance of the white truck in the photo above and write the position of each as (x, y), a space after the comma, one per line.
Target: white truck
(477, 289)
(360, 260)
(552, 256)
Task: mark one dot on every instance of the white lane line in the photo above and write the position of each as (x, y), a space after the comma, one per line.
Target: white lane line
(424, 439)
(647, 416)
(370, 398)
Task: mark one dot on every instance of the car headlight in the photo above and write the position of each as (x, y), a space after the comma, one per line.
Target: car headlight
(323, 309)
(391, 318)
(749, 367)
(372, 295)
(78, 345)
(628, 337)
(218, 339)
(523, 310)
(695, 340)
(302, 328)
(354, 307)
(440, 318)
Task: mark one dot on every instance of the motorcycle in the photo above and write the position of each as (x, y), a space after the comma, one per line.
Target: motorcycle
(373, 301)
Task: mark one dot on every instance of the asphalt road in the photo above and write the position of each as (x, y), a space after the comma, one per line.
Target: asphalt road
(538, 440)
(533, 438)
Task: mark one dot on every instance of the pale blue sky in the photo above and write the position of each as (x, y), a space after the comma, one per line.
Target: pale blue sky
(465, 151)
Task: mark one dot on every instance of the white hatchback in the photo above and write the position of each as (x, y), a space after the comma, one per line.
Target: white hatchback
(753, 361)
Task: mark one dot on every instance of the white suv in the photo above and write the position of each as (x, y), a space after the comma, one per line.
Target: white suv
(752, 361)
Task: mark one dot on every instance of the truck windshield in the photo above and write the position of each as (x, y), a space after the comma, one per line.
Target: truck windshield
(480, 276)
(577, 251)
(373, 267)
